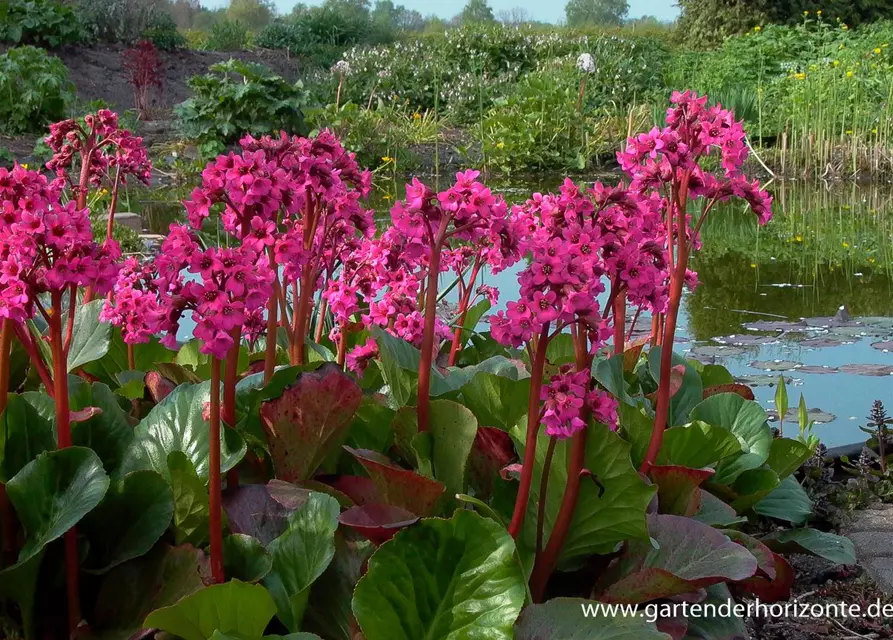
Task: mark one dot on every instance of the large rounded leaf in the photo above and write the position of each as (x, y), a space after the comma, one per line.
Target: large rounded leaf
(690, 391)
(575, 619)
(177, 424)
(400, 487)
(300, 555)
(90, 338)
(788, 502)
(108, 433)
(245, 558)
(744, 418)
(25, 432)
(53, 492)
(684, 557)
(496, 401)
(837, 549)
(128, 522)
(697, 445)
(236, 608)
(309, 420)
(442, 580)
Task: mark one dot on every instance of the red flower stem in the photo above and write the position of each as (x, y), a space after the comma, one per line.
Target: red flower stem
(533, 423)
(26, 340)
(113, 206)
(463, 313)
(669, 335)
(69, 329)
(427, 358)
(231, 377)
(655, 329)
(63, 440)
(320, 320)
(302, 312)
(5, 345)
(547, 561)
(214, 483)
(131, 357)
(619, 321)
(632, 326)
(293, 343)
(544, 488)
(342, 345)
(272, 320)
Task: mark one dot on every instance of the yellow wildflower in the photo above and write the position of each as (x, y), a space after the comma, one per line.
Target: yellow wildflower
(387, 196)
(874, 131)
(800, 76)
(387, 159)
(798, 238)
(877, 51)
(753, 265)
(417, 116)
(819, 12)
(25, 165)
(806, 13)
(845, 245)
(836, 63)
(500, 144)
(849, 132)
(849, 74)
(758, 28)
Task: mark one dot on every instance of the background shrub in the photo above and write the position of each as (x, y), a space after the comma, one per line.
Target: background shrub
(114, 21)
(162, 32)
(228, 35)
(239, 97)
(44, 23)
(34, 90)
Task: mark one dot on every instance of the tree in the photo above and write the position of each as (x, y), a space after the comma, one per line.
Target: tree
(515, 16)
(595, 12)
(256, 14)
(476, 11)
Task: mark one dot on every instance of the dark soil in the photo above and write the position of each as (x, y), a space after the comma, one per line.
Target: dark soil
(820, 582)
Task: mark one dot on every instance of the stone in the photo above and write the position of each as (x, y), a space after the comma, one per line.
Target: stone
(873, 520)
(881, 570)
(872, 544)
(127, 219)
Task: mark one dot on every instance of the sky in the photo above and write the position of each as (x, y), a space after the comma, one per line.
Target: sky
(542, 10)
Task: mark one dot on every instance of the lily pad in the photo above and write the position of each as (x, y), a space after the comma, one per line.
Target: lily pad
(874, 370)
(776, 365)
(746, 340)
(821, 343)
(761, 380)
(775, 325)
(715, 351)
(793, 415)
(885, 346)
(815, 369)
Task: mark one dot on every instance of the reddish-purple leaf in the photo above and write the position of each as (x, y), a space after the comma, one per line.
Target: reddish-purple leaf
(768, 590)
(359, 489)
(677, 488)
(309, 420)
(493, 450)
(688, 556)
(252, 511)
(378, 522)
(676, 628)
(159, 387)
(400, 487)
(741, 389)
(763, 554)
(87, 413)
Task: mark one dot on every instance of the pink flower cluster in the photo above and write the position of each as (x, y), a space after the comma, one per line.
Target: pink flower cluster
(564, 398)
(695, 130)
(227, 289)
(579, 241)
(45, 246)
(106, 145)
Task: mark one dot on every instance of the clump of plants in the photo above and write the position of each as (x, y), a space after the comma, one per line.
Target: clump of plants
(319, 449)
(238, 97)
(43, 23)
(144, 71)
(34, 89)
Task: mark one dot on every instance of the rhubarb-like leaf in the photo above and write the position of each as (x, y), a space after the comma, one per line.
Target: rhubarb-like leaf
(400, 487)
(440, 580)
(309, 420)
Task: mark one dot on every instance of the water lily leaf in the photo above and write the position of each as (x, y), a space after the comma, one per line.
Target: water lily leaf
(309, 420)
(886, 346)
(717, 627)
(177, 424)
(564, 619)
(697, 445)
(812, 415)
(232, 607)
(787, 502)
(131, 518)
(688, 396)
(400, 487)
(245, 558)
(747, 421)
(678, 488)
(496, 401)
(25, 432)
(378, 522)
(834, 548)
(606, 514)
(109, 433)
(775, 325)
(761, 380)
(821, 343)
(442, 579)
(746, 340)
(90, 338)
(715, 351)
(688, 556)
(875, 370)
(300, 555)
(192, 512)
(787, 455)
(53, 492)
(130, 591)
(716, 513)
(816, 369)
(776, 365)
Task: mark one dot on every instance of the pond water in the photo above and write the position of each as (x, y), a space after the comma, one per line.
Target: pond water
(809, 296)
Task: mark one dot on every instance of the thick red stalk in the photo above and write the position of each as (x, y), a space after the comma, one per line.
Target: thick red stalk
(320, 320)
(669, 335)
(427, 357)
(231, 378)
(63, 439)
(547, 561)
(619, 321)
(272, 320)
(131, 357)
(533, 422)
(214, 481)
(26, 340)
(342, 345)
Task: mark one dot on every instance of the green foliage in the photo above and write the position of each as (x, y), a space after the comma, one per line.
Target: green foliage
(476, 11)
(162, 32)
(255, 14)
(223, 109)
(34, 90)
(44, 23)
(228, 35)
(115, 21)
(581, 13)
